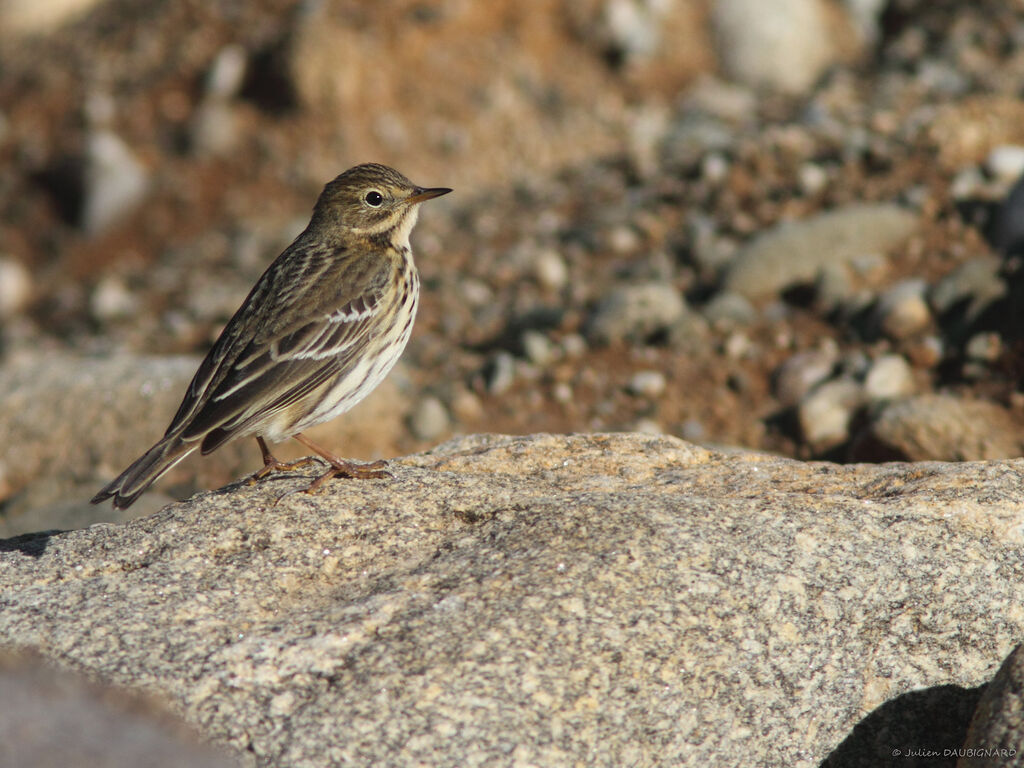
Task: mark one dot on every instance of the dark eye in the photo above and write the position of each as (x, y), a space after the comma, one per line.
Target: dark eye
(374, 198)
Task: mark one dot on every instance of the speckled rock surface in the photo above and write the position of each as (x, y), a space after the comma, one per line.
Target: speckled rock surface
(548, 600)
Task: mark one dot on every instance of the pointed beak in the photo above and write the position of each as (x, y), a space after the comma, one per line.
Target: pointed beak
(420, 194)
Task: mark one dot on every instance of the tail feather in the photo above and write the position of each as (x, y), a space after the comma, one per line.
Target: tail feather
(145, 471)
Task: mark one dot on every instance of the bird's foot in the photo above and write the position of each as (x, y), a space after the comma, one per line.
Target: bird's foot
(271, 464)
(281, 466)
(374, 471)
(341, 468)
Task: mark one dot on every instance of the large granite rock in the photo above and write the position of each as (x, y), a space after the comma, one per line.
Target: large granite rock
(599, 600)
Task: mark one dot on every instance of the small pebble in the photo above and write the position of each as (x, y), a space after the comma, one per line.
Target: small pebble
(115, 181)
(647, 427)
(902, 311)
(984, 347)
(801, 372)
(966, 184)
(623, 239)
(647, 383)
(636, 312)
(812, 178)
(550, 270)
(476, 292)
(926, 352)
(890, 376)
(215, 129)
(714, 168)
(466, 406)
(574, 345)
(537, 348)
(693, 430)
(111, 300)
(1006, 162)
(430, 419)
(825, 414)
(561, 392)
(738, 345)
(633, 28)
(728, 310)
(15, 287)
(227, 73)
(503, 373)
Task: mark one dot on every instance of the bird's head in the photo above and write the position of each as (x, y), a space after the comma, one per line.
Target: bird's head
(372, 199)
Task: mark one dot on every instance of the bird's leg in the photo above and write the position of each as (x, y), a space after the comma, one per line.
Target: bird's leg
(377, 469)
(272, 464)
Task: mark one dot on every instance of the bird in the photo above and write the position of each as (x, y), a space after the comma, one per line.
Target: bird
(319, 330)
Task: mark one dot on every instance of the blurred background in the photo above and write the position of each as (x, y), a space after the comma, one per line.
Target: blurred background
(782, 225)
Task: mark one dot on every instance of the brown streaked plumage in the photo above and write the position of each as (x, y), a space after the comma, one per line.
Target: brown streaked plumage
(319, 330)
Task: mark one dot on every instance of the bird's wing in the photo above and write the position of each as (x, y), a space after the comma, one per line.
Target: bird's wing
(306, 331)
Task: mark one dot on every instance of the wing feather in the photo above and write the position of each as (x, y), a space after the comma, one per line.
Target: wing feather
(285, 341)
(269, 378)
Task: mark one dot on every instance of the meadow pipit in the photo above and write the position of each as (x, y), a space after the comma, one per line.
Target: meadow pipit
(320, 329)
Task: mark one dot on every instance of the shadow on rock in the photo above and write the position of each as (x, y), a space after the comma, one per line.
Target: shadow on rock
(920, 728)
(32, 544)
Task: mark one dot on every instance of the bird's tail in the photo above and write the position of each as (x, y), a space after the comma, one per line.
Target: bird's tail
(145, 471)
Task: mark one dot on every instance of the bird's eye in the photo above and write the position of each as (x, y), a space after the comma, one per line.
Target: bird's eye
(374, 198)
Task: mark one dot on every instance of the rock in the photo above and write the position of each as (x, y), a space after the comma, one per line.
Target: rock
(215, 129)
(21, 17)
(1006, 162)
(52, 719)
(538, 348)
(15, 287)
(562, 392)
(573, 345)
(813, 178)
(794, 253)
(801, 372)
(502, 374)
(429, 420)
(115, 181)
(636, 313)
(939, 427)
(111, 300)
(216, 125)
(550, 600)
(227, 73)
(984, 347)
(788, 49)
(728, 310)
(650, 384)
(550, 270)
(889, 377)
(902, 311)
(825, 413)
(647, 427)
(963, 295)
(633, 29)
(867, 16)
(79, 421)
(996, 733)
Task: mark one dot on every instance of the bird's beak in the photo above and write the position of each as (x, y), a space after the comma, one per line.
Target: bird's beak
(420, 194)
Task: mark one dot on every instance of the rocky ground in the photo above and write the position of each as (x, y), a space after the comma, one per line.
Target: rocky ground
(652, 228)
